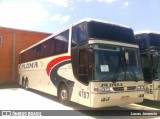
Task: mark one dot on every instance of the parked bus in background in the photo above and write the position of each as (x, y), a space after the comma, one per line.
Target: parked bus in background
(149, 44)
(92, 62)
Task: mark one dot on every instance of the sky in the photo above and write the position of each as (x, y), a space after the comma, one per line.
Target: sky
(53, 15)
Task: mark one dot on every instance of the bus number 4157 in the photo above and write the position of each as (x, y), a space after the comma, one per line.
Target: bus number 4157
(84, 94)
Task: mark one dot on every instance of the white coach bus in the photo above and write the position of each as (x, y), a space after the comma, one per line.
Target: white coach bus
(149, 45)
(92, 62)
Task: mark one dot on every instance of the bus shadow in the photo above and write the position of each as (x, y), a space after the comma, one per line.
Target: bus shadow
(114, 112)
(85, 111)
(48, 96)
(71, 104)
(150, 103)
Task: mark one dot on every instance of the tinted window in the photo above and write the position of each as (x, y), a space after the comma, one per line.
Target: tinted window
(30, 54)
(147, 72)
(133, 58)
(145, 61)
(38, 51)
(79, 34)
(142, 42)
(53, 46)
(83, 71)
(110, 32)
(61, 42)
(21, 58)
(48, 47)
(154, 39)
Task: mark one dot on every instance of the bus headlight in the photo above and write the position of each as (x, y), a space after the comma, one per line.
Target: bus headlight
(96, 89)
(140, 87)
(102, 89)
(141, 96)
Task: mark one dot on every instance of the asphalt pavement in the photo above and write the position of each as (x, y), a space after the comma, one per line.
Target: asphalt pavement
(15, 98)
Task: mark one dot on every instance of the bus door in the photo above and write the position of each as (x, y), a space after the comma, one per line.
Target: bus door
(84, 88)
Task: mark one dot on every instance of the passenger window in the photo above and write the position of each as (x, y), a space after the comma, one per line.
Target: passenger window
(52, 46)
(61, 42)
(48, 47)
(79, 34)
(39, 52)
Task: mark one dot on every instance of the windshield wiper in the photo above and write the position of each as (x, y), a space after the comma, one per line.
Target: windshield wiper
(106, 77)
(117, 71)
(116, 75)
(133, 73)
(126, 68)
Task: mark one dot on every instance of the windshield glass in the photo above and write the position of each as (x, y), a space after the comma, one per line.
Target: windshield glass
(154, 39)
(111, 64)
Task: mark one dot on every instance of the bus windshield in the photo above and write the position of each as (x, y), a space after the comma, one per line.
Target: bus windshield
(111, 64)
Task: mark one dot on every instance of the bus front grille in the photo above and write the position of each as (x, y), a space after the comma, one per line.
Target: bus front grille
(129, 88)
(118, 88)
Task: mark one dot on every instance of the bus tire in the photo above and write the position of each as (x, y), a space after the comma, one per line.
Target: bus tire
(63, 94)
(26, 84)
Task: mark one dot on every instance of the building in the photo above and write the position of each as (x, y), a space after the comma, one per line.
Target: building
(12, 41)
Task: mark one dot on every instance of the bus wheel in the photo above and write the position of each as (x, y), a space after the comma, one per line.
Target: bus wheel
(26, 84)
(64, 95)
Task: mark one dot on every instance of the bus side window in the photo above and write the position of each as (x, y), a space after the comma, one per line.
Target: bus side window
(24, 57)
(39, 52)
(79, 34)
(83, 70)
(29, 55)
(21, 58)
(48, 47)
(61, 42)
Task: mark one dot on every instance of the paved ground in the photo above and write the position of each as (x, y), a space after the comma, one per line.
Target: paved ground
(150, 103)
(15, 98)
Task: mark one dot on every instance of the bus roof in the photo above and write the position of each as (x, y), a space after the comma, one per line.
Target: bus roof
(97, 20)
(147, 32)
(74, 24)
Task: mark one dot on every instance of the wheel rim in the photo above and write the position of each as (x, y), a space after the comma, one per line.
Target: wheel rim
(64, 95)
